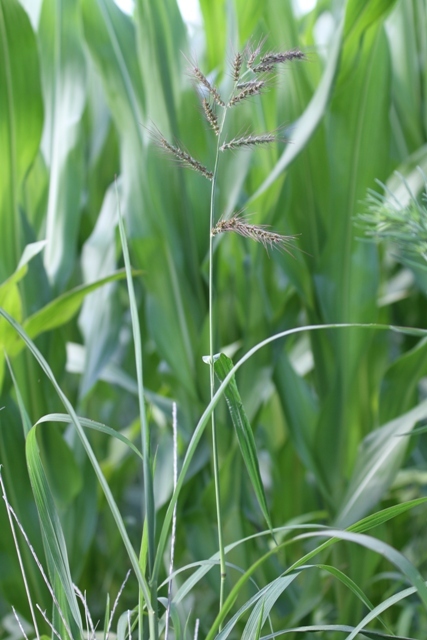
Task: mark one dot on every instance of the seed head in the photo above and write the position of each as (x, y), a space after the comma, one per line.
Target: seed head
(259, 233)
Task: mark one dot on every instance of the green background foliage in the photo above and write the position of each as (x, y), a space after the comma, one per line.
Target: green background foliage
(81, 85)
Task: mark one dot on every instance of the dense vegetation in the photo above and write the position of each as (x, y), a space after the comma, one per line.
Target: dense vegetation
(321, 435)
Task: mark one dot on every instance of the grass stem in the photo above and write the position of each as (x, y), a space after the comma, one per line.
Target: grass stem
(212, 372)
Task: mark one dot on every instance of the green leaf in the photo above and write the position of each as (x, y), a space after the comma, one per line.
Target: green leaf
(223, 365)
(379, 458)
(21, 119)
(397, 398)
(85, 442)
(64, 87)
(63, 308)
(264, 601)
(310, 119)
(90, 424)
(56, 552)
(100, 319)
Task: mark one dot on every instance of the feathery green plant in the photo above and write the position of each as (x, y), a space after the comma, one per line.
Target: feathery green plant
(404, 224)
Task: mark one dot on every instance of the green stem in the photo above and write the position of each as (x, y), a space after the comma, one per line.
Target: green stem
(223, 571)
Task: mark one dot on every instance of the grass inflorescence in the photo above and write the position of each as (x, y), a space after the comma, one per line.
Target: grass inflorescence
(251, 73)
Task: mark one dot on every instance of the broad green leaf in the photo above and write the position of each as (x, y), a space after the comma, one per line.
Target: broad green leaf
(64, 75)
(346, 278)
(300, 408)
(10, 299)
(379, 457)
(214, 19)
(359, 16)
(111, 39)
(310, 119)
(161, 42)
(397, 397)
(100, 318)
(406, 49)
(21, 120)
(62, 309)
(223, 365)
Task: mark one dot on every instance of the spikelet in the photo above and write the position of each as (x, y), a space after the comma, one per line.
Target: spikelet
(237, 66)
(255, 53)
(211, 116)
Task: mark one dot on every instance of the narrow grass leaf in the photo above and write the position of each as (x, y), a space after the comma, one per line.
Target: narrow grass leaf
(90, 424)
(375, 613)
(351, 585)
(53, 536)
(339, 628)
(223, 366)
(264, 605)
(265, 598)
(104, 485)
(201, 425)
(379, 547)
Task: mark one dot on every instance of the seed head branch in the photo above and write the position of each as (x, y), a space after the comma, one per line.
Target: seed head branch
(184, 158)
(200, 77)
(251, 89)
(249, 141)
(259, 233)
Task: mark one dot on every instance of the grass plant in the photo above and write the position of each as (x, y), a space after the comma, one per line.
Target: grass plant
(251, 71)
(304, 515)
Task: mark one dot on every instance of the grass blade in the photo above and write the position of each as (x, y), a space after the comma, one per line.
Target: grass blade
(223, 365)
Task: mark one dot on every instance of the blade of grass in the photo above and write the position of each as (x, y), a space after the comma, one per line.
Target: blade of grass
(80, 431)
(223, 365)
(207, 413)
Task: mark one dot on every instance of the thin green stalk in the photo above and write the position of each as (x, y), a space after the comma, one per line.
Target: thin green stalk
(223, 569)
(150, 513)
